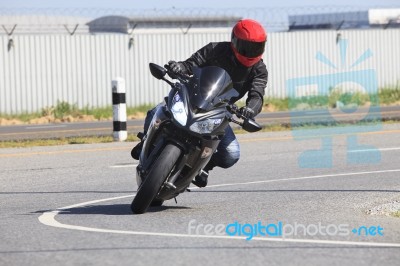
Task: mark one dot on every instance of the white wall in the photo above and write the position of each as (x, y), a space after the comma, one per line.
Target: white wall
(41, 69)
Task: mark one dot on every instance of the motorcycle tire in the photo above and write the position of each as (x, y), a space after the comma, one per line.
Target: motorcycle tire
(156, 203)
(155, 178)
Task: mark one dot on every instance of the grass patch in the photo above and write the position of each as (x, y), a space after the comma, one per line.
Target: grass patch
(139, 109)
(25, 117)
(266, 128)
(389, 95)
(277, 104)
(61, 141)
(99, 113)
(395, 214)
(62, 109)
(386, 95)
(65, 109)
(132, 137)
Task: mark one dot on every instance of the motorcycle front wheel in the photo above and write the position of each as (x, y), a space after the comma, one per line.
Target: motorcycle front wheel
(159, 172)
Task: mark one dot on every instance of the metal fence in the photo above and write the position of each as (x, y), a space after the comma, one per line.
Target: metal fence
(36, 71)
(273, 18)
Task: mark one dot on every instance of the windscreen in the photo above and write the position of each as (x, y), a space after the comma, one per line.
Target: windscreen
(211, 87)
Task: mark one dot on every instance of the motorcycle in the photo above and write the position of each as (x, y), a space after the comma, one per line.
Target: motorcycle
(184, 133)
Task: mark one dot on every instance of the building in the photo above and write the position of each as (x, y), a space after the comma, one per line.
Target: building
(372, 18)
(122, 24)
(44, 24)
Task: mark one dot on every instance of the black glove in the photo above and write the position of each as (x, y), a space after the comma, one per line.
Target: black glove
(247, 112)
(175, 67)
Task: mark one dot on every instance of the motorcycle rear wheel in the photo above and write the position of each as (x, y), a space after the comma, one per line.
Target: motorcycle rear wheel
(155, 178)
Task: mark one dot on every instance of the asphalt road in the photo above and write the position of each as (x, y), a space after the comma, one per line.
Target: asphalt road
(58, 130)
(70, 205)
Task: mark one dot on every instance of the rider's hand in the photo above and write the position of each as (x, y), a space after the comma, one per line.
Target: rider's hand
(247, 112)
(175, 67)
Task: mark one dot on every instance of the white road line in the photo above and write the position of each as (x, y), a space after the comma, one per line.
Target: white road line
(39, 127)
(123, 165)
(383, 149)
(302, 178)
(48, 218)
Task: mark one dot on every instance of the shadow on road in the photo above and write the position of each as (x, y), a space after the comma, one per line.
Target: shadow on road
(115, 209)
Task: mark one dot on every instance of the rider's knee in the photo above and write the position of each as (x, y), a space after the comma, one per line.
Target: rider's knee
(229, 161)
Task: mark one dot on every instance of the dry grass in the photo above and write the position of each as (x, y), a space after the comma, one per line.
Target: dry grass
(60, 141)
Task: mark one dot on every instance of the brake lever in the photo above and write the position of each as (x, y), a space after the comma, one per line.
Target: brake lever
(170, 73)
(236, 111)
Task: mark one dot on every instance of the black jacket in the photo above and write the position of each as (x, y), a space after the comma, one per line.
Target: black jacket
(252, 80)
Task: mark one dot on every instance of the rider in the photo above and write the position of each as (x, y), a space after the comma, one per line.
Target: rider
(241, 58)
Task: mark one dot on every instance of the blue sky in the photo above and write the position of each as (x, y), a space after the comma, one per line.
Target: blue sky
(150, 4)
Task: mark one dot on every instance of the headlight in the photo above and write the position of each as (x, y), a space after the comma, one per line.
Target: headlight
(178, 110)
(206, 126)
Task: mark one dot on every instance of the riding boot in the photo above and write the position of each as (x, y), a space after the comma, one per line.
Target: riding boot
(135, 153)
(201, 179)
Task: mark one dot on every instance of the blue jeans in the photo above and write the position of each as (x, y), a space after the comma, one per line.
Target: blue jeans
(228, 150)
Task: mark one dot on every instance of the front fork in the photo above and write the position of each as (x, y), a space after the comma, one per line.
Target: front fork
(195, 157)
(149, 154)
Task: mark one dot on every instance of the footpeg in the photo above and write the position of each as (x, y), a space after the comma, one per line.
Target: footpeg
(203, 174)
(170, 185)
(201, 179)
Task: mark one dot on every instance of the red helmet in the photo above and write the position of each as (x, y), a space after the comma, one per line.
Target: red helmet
(248, 41)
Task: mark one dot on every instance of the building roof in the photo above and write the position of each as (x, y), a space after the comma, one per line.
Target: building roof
(43, 24)
(371, 18)
(125, 24)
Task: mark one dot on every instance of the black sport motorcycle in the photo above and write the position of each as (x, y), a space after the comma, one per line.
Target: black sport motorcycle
(184, 133)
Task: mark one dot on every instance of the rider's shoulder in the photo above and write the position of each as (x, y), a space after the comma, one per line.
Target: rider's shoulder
(259, 69)
(260, 66)
(218, 46)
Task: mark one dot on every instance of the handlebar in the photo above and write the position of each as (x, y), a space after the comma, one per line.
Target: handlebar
(159, 72)
(173, 75)
(234, 109)
(248, 124)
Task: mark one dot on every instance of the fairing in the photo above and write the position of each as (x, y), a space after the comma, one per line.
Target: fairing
(210, 87)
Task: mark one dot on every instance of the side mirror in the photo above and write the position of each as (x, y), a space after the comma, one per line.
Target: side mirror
(157, 71)
(250, 125)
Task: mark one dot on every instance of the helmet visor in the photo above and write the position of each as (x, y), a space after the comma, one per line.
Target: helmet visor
(248, 48)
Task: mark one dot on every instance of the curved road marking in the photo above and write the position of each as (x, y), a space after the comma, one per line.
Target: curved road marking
(48, 218)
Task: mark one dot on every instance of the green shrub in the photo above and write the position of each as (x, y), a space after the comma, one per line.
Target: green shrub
(98, 113)
(279, 104)
(388, 95)
(63, 109)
